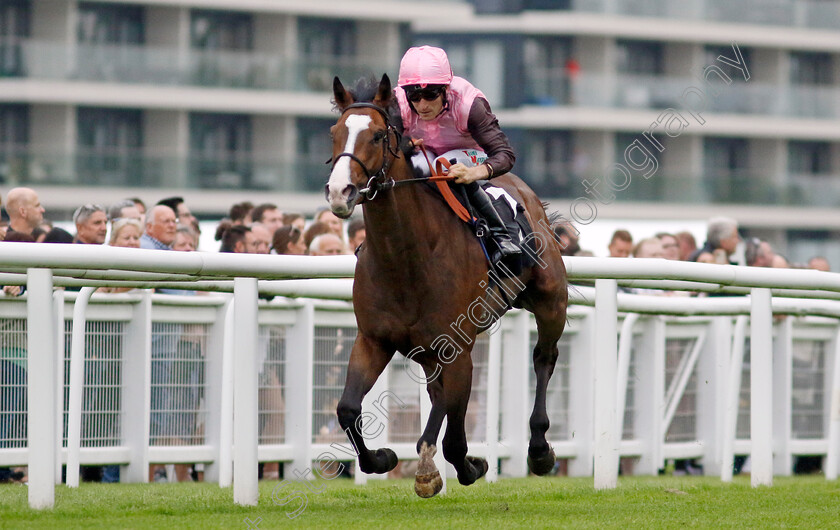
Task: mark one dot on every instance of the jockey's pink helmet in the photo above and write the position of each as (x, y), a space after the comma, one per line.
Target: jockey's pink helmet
(425, 65)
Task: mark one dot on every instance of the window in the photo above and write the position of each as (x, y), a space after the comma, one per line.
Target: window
(725, 161)
(546, 161)
(639, 57)
(327, 48)
(109, 146)
(110, 24)
(14, 135)
(220, 146)
(314, 148)
(14, 29)
(809, 158)
(549, 79)
(218, 30)
(810, 68)
(713, 52)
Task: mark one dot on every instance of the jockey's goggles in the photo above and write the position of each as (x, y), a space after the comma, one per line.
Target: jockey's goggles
(430, 93)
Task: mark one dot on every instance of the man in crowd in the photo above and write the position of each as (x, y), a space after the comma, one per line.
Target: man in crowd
(621, 244)
(262, 237)
(91, 224)
(160, 229)
(24, 209)
(268, 215)
(355, 233)
(327, 244)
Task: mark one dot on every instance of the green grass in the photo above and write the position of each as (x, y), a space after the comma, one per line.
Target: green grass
(649, 502)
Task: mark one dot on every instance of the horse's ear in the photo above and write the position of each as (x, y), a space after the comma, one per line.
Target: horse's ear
(385, 92)
(340, 95)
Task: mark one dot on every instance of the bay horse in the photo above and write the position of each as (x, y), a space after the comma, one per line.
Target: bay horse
(419, 272)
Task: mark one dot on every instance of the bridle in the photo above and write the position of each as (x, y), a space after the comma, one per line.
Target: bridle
(378, 181)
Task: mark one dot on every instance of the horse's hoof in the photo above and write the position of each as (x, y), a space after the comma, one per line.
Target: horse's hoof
(542, 464)
(480, 465)
(428, 485)
(388, 457)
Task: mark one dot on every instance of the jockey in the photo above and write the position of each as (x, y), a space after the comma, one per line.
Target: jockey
(444, 113)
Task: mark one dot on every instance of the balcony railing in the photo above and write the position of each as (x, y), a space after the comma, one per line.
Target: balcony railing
(797, 13)
(171, 66)
(134, 168)
(551, 86)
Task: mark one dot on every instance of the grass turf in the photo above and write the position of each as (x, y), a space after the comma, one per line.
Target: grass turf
(649, 502)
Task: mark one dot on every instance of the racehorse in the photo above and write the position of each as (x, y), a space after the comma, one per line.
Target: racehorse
(420, 271)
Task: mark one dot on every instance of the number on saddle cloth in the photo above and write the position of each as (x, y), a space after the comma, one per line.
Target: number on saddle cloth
(468, 157)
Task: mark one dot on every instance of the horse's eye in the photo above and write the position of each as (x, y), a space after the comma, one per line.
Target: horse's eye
(378, 136)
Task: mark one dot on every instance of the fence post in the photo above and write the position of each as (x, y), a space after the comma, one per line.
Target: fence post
(650, 395)
(300, 340)
(40, 388)
(494, 387)
(761, 388)
(58, 328)
(782, 384)
(245, 393)
(581, 395)
(217, 432)
(606, 343)
(733, 395)
(137, 390)
(516, 363)
(77, 383)
(832, 461)
(625, 350)
(712, 370)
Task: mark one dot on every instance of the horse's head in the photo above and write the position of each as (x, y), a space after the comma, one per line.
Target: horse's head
(361, 144)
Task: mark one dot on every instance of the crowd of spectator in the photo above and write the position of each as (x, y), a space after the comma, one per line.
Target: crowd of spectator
(168, 224)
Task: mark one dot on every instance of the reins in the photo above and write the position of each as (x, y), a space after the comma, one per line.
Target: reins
(378, 182)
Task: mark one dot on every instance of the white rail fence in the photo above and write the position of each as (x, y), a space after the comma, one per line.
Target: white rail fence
(156, 378)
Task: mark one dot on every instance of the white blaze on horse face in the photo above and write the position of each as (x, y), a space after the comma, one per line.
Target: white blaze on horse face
(340, 176)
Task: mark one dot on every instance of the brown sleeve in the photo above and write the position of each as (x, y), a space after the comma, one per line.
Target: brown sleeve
(485, 130)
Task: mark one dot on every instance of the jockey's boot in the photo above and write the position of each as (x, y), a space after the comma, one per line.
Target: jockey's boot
(481, 202)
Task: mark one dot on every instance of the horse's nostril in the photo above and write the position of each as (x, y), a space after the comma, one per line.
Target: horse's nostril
(327, 192)
(351, 192)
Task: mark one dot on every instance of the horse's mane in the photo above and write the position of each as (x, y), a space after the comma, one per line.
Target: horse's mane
(364, 90)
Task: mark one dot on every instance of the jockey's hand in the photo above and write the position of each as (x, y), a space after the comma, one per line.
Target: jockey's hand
(465, 175)
(416, 142)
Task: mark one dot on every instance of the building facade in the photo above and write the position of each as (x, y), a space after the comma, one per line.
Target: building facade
(630, 109)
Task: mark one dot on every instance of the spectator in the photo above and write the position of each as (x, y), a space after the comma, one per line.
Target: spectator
(262, 238)
(125, 233)
(58, 235)
(687, 245)
(648, 248)
(141, 207)
(568, 237)
(295, 219)
(240, 213)
(621, 244)
(288, 240)
(24, 209)
(39, 234)
(91, 224)
(819, 263)
(721, 240)
(160, 229)
(670, 245)
(268, 215)
(758, 253)
(186, 240)
(334, 223)
(238, 240)
(183, 215)
(125, 209)
(780, 262)
(327, 244)
(315, 229)
(356, 233)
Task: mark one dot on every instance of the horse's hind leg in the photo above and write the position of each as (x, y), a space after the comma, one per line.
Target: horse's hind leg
(540, 453)
(457, 384)
(367, 361)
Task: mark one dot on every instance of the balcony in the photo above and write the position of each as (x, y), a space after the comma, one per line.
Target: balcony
(551, 86)
(136, 169)
(789, 13)
(148, 65)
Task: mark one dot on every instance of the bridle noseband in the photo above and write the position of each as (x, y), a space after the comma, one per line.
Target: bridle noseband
(378, 181)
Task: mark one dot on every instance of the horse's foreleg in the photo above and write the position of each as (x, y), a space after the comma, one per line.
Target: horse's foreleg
(367, 361)
(540, 454)
(457, 385)
(427, 481)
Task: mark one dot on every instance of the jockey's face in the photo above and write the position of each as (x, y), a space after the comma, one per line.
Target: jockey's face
(429, 110)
